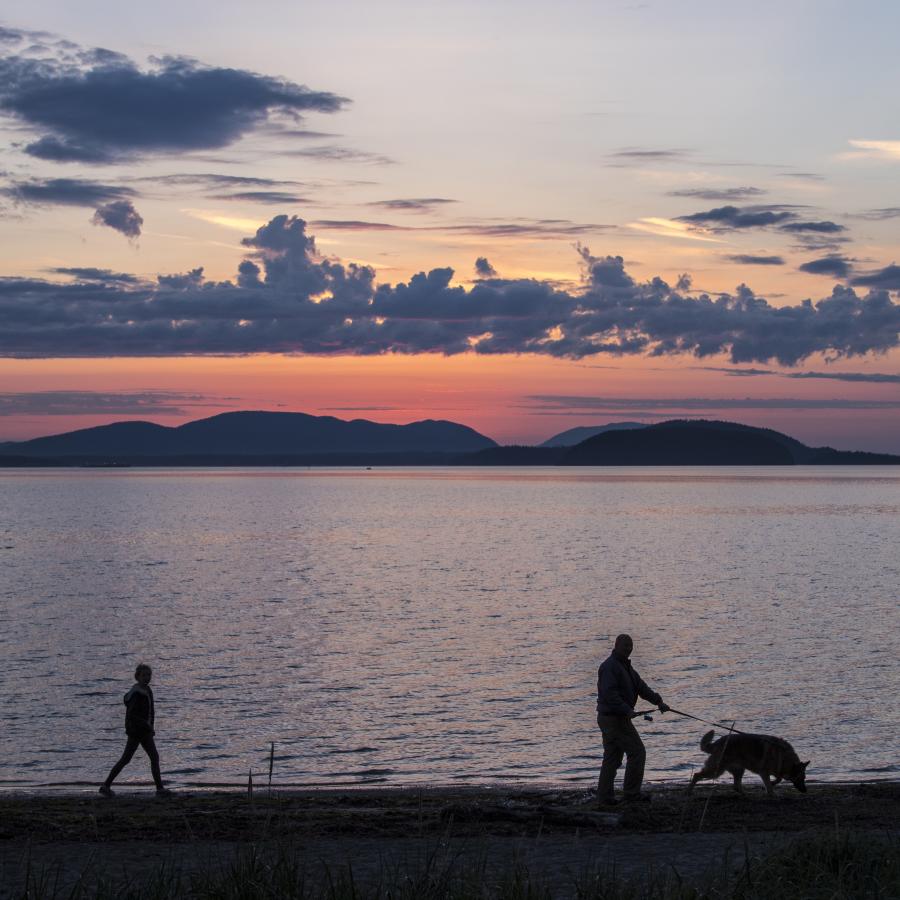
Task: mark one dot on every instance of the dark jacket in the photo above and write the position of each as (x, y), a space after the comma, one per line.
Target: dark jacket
(139, 712)
(619, 686)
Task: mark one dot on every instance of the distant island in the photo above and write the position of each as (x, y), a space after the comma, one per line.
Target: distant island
(298, 439)
(573, 436)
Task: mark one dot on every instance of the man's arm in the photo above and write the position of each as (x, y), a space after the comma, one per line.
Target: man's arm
(649, 695)
(610, 695)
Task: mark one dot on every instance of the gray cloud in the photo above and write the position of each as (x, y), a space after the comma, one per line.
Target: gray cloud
(519, 228)
(90, 403)
(863, 377)
(726, 194)
(867, 377)
(638, 155)
(192, 279)
(811, 235)
(523, 228)
(483, 268)
(360, 408)
(814, 227)
(806, 176)
(675, 404)
(98, 106)
(833, 265)
(288, 299)
(87, 273)
(120, 215)
(748, 259)
(114, 209)
(215, 181)
(735, 217)
(887, 278)
(341, 154)
(416, 204)
(273, 197)
(880, 215)
(65, 192)
(356, 225)
(304, 134)
(738, 373)
(815, 243)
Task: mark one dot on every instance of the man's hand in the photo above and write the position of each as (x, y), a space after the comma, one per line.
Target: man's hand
(664, 707)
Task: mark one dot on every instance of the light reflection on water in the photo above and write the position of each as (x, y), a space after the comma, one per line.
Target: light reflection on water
(443, 625)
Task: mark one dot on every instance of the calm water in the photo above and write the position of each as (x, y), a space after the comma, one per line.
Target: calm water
(443, 625)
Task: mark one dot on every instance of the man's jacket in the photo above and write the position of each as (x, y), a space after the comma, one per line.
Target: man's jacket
(139, 712)
(619, 686)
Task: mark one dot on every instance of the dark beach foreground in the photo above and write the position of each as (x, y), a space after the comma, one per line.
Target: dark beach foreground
(447, 842)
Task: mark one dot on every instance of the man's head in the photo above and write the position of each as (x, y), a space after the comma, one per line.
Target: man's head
(143, 673)
(623, 646)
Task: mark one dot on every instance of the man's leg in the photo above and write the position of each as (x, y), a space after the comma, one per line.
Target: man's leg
(612, 757)
(636, 757)
(149, 746)
(130, 746)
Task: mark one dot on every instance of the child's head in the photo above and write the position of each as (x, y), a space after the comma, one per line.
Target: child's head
(143, 673)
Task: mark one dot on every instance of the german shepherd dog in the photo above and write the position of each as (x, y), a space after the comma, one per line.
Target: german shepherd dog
(772, 758)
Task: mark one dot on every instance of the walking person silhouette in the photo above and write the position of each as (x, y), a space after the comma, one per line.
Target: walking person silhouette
(140, 716)
(618, 687)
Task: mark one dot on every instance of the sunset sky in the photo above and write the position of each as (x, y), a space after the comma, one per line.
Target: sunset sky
(518, 216)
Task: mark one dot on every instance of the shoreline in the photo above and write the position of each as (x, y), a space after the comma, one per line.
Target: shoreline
(81, 789)
(389, 812)
(79, 838)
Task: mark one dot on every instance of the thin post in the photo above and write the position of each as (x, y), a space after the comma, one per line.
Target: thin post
(709, 795)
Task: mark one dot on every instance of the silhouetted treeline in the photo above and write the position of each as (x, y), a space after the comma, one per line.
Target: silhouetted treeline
(674, 443)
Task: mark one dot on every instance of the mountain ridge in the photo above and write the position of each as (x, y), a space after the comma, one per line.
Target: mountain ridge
(266, 438)
(252, 433)
(572, 436)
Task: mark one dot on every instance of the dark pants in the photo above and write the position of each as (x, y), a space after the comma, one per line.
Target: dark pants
(149, 748)
(620, 738)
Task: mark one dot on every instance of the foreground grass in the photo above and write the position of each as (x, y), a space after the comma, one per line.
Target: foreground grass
(823, 867)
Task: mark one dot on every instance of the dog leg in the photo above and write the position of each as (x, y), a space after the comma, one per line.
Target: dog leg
(770, 790)
(737, 774)
(709, 770)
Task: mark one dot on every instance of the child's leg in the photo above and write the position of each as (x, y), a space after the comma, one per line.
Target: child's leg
(149, 746)
(130, 746)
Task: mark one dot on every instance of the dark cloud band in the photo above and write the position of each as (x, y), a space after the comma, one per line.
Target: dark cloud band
(287, 299)
(91, 403)
(669, 405)
(100, 107)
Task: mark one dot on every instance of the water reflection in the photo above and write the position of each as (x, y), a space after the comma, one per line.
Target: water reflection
(442, 625)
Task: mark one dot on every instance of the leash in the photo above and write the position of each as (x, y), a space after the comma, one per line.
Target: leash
(730, 728)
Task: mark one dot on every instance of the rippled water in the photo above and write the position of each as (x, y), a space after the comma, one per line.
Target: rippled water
(443, 625)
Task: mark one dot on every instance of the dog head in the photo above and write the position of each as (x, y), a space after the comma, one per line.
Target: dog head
(798, 776)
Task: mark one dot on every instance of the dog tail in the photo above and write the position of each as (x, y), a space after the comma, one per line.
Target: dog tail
(706, 742)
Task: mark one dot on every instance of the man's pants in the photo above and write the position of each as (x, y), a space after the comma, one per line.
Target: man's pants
(132, 744)
(620, 738)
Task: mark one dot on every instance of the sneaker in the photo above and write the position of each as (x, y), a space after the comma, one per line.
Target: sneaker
(106, 790)
(638, 798)
(608, 801)
(164, 792)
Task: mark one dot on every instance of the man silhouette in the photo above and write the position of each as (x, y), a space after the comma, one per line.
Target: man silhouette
(618, 687)
(140, 716)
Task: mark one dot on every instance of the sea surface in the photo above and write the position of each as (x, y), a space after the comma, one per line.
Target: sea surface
(403, 626)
